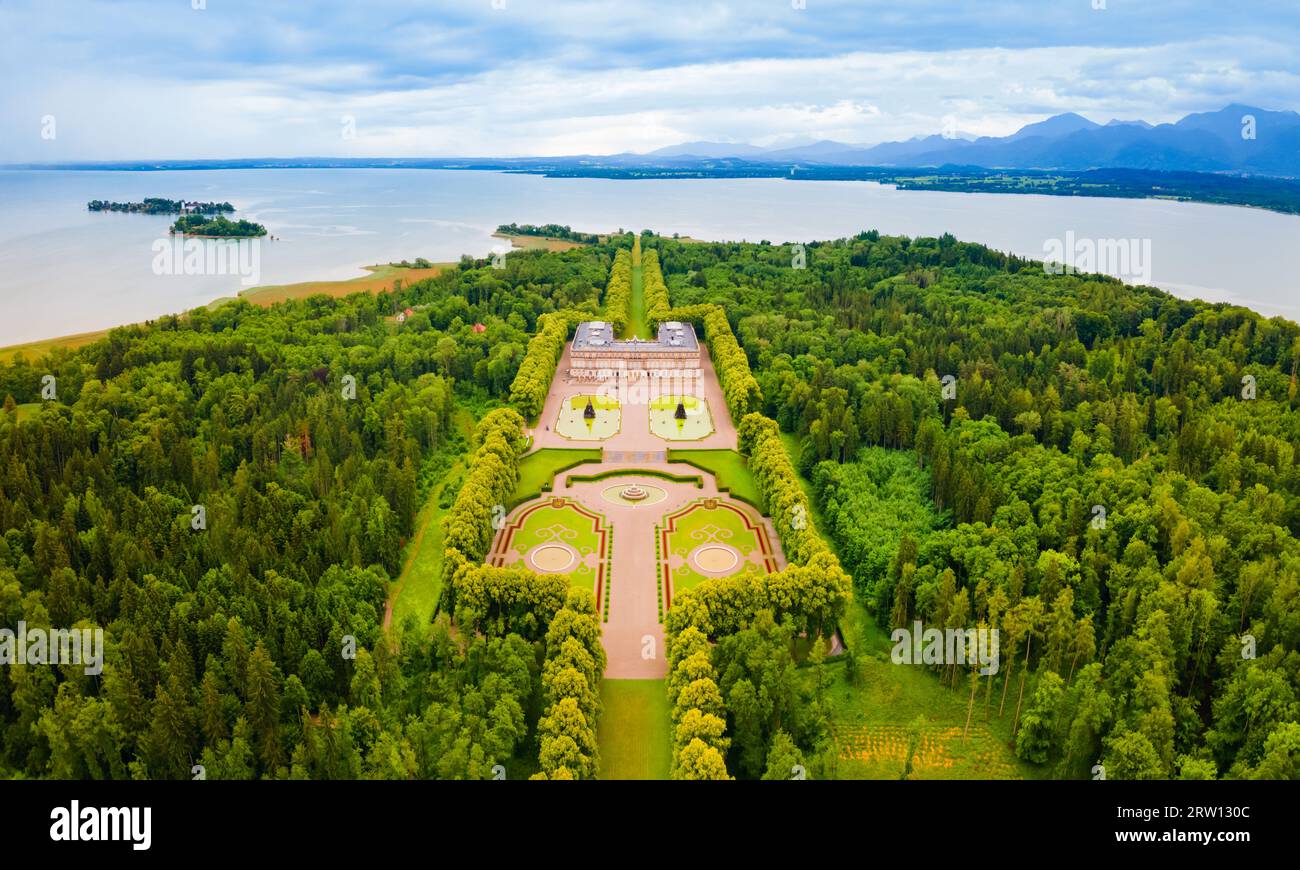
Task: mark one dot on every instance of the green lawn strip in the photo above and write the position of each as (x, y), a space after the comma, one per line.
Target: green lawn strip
(793, 445)
(637, 327)
(728, 467)
(538, 469)
(418, 586)
(420, 582)
(694, 479)
(634, 732)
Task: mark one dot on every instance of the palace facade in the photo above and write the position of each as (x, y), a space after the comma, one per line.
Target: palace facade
(597, 355)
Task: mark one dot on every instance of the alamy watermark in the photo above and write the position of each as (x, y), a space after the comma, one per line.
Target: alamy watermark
(951, 646)
(53, 646)
(1126, 259)
(178, 255)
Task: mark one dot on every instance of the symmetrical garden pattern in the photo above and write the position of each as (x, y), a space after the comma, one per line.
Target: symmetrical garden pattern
(711, 537)
(558, 536)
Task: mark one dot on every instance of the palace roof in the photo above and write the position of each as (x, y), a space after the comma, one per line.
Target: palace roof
(595, 335)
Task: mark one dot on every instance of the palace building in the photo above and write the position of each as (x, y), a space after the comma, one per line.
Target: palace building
(597, 355)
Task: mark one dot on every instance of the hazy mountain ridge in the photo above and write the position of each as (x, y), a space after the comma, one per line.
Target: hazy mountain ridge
(1199, 142)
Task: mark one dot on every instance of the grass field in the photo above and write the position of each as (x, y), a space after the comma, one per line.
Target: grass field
(876, 718)
(698, 423)
(792, 444)
(538, 469)
(34, 350)
(572, 425)
(637, 327)
(634, 732)
(380, 279)
(727, 466)
(538, 243)
(418, 586)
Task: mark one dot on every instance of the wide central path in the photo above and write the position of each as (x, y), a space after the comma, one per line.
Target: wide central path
(637, 327)
(634, 732)
(634, 636)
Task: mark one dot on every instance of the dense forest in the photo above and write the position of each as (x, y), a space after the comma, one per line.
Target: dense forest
(227, 494)
(1104, 473)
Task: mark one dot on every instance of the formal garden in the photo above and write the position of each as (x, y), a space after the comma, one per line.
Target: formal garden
(589, 418)
(711, 537)
(558, 536)
(680, 418)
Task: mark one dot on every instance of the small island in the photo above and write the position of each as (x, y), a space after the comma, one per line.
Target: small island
(158, 205)
(218, 227)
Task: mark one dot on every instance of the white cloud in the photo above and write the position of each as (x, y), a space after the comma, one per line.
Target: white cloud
(600, 77)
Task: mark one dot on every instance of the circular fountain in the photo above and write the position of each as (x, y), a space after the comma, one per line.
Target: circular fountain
(633, 494)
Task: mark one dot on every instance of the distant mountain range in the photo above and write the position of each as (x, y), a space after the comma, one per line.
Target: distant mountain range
(1207, 142)
(1203, 142)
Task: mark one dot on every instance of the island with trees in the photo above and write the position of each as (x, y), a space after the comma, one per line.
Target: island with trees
(158, 205)
(220, 227)
(293, 524)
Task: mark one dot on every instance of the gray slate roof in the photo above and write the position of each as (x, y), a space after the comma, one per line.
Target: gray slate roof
(594, 335)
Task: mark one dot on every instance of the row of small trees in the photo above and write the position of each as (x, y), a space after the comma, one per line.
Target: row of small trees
(618, 292)
(699, 715)
(740, 388)
(493, 473)
(571, 675)
(657, 307)
(498, 602)
(810, 598)
(759, 438)
(533, 380)
(810, 595)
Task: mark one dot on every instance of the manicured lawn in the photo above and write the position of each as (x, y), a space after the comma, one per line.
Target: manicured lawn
(697, 424)
(572, 425)
(538, 469)
(634, 730)
(637, 327)
(562, 527)
(727, 466)
(698, 525)
(876, 717)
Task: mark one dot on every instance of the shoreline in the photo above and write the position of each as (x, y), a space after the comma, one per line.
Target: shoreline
(377, 278)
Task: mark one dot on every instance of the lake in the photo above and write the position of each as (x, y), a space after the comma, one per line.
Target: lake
(66, 270)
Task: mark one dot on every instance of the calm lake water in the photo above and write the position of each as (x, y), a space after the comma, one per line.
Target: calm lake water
(64, 269)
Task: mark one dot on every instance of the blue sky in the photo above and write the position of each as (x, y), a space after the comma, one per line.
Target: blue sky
(141, 79)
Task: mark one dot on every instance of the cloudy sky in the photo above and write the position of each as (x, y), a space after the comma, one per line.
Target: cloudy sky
(158, 79)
